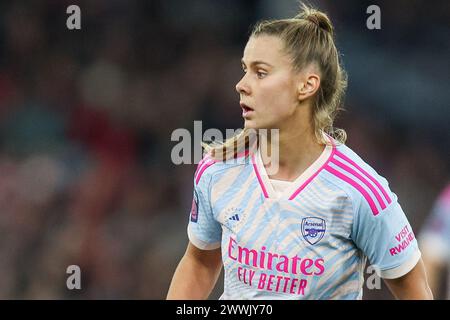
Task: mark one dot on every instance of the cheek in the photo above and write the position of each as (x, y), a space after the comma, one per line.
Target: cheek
(278, 96)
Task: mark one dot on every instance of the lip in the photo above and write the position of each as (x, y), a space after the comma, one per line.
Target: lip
(246, 110)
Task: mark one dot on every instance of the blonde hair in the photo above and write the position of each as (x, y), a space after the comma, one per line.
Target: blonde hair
(308, 38)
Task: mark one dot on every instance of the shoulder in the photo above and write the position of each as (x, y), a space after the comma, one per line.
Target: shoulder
(209, 167)
(360, 181)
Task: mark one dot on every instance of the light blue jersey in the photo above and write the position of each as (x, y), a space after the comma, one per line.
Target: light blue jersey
(309, 242)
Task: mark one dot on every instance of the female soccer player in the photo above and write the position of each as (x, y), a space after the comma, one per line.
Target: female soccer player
(304, 231)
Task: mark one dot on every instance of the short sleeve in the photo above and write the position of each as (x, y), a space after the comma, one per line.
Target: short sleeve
(204, 231)
(386, 238)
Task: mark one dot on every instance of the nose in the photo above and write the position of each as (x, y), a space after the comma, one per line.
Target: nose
(242, 87)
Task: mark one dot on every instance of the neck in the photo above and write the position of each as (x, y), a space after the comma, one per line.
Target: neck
(298, 149)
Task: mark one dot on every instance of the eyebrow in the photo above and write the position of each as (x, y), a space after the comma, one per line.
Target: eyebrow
(253, 63)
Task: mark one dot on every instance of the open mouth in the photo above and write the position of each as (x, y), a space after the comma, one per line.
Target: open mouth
(245, 109)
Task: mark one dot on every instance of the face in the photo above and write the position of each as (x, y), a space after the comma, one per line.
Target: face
(268, 89)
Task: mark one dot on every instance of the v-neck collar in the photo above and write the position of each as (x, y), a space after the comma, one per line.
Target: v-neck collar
(300, 182)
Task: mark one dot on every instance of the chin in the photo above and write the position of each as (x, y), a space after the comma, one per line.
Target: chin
(251, 124)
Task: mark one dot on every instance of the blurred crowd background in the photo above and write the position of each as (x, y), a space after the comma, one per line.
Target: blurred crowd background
(86, 117)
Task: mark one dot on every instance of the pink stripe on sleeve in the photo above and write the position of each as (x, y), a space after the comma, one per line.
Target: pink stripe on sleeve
(343, 156)
(356, 186)
(200, 164)
(266, 195)
(360, 177)
(205, 166)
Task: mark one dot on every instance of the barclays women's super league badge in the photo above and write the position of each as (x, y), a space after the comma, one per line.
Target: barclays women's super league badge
(313, 229)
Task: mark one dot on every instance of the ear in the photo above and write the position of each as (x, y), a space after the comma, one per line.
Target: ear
(308, 86)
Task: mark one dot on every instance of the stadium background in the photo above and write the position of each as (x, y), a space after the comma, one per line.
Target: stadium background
(86, 118)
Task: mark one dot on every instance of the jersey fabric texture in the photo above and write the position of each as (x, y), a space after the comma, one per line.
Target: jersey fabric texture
(309, 242)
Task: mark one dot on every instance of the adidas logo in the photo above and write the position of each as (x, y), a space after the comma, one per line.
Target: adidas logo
(235, 217)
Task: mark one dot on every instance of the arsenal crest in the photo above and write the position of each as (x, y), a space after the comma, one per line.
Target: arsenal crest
(313, 229)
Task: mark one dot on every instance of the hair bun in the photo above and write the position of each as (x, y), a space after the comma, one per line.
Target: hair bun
(319, 18)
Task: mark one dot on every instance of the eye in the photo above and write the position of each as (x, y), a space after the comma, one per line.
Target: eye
(261, 74)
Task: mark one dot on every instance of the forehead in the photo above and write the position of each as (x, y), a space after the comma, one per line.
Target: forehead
(269, 49)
